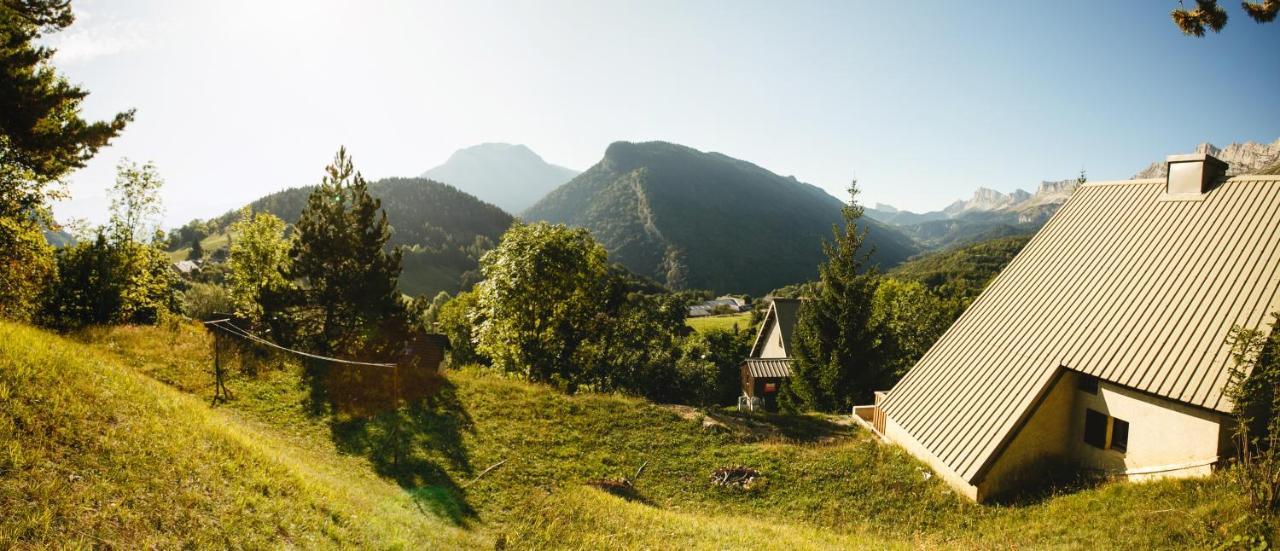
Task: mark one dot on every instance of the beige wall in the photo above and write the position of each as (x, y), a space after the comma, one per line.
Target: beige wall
(773, 343)
(1166, 438)
(1041, 442)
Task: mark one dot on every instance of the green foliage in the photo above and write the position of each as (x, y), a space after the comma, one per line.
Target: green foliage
(258, 260)
(1208, 13)
(42, 135)
(105, 281)
(118, 277)
(1254, 391)
(200, 301)
(835, 363)
(346, 299)
(457, 319)
(26, 266)
(197, 251)
(543, 286)
(690, 219)
(961, 274)
(135, 201)
(707, 368)
(426, 312)
(908, 319)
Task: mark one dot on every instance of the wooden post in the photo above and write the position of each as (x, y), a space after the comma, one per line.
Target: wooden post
(220, 391)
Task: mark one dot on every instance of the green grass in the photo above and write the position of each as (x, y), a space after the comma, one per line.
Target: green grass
(393, 477)
(726, 322)
(95, 454)
(220, 240)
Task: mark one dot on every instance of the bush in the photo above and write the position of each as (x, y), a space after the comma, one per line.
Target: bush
(201, 300)
(111, 281)
(26, 266)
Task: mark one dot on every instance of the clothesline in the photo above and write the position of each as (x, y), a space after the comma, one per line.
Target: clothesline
(226, 326)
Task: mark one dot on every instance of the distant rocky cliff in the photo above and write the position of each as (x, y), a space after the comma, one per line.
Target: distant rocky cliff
(1241, 158)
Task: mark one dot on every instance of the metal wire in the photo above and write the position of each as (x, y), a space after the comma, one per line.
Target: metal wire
(230, 328)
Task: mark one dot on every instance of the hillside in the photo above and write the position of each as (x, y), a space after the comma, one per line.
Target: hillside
(141, 464)
(443, 229)
(94, 454)
(512, 177)
(964, 271)
(699, 220)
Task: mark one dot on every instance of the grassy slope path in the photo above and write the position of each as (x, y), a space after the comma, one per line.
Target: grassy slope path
(825, 486)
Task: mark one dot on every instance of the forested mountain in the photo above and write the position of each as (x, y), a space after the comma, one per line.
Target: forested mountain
(699, 220)
(444, 230)
(510, 176)
(961, 272)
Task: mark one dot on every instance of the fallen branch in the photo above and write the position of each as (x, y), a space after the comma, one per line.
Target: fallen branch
(484, 472)
(639, 471)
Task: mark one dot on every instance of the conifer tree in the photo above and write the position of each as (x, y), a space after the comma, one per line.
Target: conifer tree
(1207, 13)
(346, 276)
(42, 139)
(835, 344)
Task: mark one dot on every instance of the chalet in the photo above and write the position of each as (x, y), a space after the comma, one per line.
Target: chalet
(769, 363)
(1102, 344)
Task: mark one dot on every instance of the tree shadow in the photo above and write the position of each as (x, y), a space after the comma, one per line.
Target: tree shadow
(798, 428)
(1046, 479)
(409, 425)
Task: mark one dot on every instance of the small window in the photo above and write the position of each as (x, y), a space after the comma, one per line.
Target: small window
(1095, 429)
(1119, 435)
(1088, 384)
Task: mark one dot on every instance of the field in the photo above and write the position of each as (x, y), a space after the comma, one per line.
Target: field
(108, 437)
(726, 321)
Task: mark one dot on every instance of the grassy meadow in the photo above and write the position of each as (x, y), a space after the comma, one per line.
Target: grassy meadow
(727, 322)
(111, 440)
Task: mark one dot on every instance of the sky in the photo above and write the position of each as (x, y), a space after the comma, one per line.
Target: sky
(921, 101)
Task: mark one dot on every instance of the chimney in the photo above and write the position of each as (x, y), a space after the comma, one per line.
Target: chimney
(1193, 174)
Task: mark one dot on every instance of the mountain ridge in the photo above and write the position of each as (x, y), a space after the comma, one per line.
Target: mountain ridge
(694, 219)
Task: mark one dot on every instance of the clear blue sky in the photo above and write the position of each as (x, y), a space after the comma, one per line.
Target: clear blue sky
(924, 101)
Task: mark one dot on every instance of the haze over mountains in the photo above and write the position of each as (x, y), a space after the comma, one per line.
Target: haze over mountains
(990, 214)
(510, 176)
(691, 219)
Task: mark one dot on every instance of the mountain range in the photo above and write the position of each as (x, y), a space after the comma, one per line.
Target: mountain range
(990, 214)
(510, 176)
(692, 219)
(1241, 158)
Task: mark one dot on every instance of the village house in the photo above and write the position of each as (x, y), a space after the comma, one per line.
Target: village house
(769, 363)
(725, 304)
(1102, 345)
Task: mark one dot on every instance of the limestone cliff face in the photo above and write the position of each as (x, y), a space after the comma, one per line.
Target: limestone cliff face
(1241, 158)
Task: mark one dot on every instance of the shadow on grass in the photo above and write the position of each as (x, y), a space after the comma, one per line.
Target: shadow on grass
(1047, 479)
(794, 428)
(409, 424)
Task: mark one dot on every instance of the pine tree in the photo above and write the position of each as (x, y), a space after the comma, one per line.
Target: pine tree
(197, 251)
(346, 276)
(43, 138)
(836, 363)
(1208, 13)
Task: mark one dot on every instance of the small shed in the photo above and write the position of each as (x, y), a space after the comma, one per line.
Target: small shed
(762, 378)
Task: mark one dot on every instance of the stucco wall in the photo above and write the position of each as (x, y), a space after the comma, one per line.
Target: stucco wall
(773, 343)
(1042, 441)
(1164, 435)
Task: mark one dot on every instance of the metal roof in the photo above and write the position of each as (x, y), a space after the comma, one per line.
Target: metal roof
(784, 312)
(1122, 283)
(768, 368)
